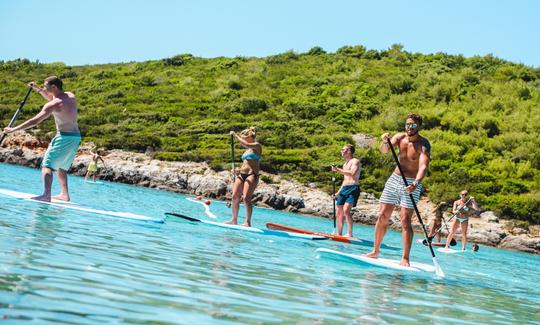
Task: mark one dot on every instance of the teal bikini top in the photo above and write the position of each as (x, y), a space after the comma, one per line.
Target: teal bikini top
(250, 155)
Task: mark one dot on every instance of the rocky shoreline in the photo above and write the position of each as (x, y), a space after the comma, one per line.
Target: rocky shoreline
(199, 179)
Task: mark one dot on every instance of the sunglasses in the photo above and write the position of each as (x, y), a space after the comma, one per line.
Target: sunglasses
(411, 125)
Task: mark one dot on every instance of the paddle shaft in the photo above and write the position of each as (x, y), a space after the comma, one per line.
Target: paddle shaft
(229, 204)
(17, 112)
(334, 200)
(232, 156)
(410, 195)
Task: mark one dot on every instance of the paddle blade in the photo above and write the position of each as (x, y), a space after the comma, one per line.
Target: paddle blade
(172, 214)
(438, 269)
(453, 242)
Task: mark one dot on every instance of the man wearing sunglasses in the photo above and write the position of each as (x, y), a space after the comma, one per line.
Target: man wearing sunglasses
(414, 155)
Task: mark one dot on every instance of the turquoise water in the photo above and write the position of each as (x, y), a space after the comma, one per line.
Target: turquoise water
(65, 266)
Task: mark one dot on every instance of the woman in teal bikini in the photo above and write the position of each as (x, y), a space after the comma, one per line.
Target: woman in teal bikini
(247, 177)
(462, 209)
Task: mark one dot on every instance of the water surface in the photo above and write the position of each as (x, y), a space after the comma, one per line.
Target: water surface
(66, 266)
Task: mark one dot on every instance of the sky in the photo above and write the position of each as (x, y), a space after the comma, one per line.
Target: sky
(113, 31)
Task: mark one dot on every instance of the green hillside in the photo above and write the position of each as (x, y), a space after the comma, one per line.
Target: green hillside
(481, 114)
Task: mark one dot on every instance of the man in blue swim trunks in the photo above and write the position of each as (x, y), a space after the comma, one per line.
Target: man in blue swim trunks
(63, 147)
(414, 155)
(347, 196)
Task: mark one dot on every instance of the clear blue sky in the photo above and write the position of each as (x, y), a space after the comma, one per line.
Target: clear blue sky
(106, 31)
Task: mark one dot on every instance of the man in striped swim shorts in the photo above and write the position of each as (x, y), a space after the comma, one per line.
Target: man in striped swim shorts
(414, 155)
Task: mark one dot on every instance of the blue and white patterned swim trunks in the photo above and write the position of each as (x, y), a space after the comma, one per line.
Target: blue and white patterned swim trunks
(394, 192)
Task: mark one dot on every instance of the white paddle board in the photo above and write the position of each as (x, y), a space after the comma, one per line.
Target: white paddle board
(449, 250)
(206, 207)
(77, 207)
(96, 182)
(378, 262)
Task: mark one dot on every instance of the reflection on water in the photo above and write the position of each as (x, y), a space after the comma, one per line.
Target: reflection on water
(63, 266)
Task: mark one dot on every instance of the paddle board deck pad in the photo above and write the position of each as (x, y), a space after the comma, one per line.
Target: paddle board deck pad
(248, 229)
(424, 241)
(378, 262)
(77, 207)
(449, 250)
(343, 239)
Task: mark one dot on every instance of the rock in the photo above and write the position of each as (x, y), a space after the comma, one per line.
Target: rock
(206, 186)
(521, 243)
(489, 216)
(363, 140)
(200, 179)
(519, 231)
(491, 234)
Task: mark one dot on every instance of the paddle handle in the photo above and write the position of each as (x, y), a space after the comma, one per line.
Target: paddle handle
(17, 112)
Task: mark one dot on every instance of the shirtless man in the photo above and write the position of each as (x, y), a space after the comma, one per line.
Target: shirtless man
(63, 147)
(414, 156)
(347, 196)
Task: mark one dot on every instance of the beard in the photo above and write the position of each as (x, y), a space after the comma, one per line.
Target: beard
(412, 132)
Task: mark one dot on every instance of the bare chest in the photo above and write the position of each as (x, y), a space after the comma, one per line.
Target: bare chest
(410, 150)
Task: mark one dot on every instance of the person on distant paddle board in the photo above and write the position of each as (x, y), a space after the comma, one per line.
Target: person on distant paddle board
(462, 209)
(436, 223)
(62, 106)
(247, 176)
(414, 155)
(347, 196)
(93, 166)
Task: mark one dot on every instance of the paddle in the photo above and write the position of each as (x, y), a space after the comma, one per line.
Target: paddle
(17, 112)
(438, 269)
(453, 242)
(229, 204)
(232, 156)
(334, 201)
(172, 214)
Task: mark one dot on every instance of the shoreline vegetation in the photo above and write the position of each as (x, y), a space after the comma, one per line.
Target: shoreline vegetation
(481, 115)
(198, 178)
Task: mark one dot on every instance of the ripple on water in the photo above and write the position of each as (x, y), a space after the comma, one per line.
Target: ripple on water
(62, 266)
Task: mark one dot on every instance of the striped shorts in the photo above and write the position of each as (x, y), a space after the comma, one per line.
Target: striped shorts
(394, 192)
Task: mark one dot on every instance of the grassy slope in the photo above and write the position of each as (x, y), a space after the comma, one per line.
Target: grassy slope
(481, 114)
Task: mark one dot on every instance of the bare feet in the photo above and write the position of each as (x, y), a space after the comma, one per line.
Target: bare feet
(232, 222)
(43, 197)
(61, 197)
(404, 262)
(372, 254)
(246, 224)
